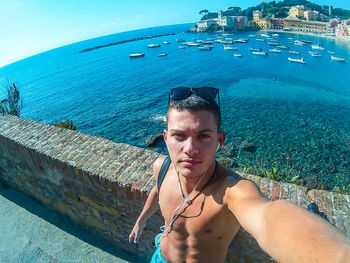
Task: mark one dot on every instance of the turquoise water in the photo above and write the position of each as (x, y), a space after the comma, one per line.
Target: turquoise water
(286, 110)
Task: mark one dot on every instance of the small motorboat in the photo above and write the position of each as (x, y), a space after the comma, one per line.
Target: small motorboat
(162, 55)
(294, 52)
(275, 50)
(338, 59)
(297, 60)
(259, 53)
(153, 45)
(136, 55)
(237, 55)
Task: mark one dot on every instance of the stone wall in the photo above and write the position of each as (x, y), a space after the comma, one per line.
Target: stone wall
(102, 185)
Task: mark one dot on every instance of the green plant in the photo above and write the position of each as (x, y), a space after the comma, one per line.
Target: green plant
(66, 125)
(12, 104)
(273, 175)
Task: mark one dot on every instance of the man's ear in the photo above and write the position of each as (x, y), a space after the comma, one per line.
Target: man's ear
(221, 137)
(165, 135)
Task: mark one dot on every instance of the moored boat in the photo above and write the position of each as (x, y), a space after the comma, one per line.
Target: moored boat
(283, 47)
(294, 52)
(180, 40)
(259, 53)
(338, 59)
(237, 55)
(229, 47)
(241, 40)
(315, 55)
(307, 41)
(162, 55)
(275, 50)
(260, 39)
(331, 52)
(153, 45)
(204, 48)
(166, 43)
(255, 49)
(273, 44)
(136, 55)
(317, 46)
(297, 60)
(182, 47)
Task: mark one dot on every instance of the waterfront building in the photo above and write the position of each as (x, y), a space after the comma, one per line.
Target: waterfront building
(311, 15)
(207, 25)
(277, 23)
(257, 15)
(342, 30)
(293, 23)
(297, 11)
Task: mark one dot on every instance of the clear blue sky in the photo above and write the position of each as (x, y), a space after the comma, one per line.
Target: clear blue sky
(29, 27)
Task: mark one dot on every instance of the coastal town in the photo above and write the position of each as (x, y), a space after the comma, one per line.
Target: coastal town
(297, 18)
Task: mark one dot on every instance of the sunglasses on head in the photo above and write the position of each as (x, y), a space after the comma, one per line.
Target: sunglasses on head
(181, 93)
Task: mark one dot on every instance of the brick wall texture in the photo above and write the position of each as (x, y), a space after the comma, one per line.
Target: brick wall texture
(102, 185)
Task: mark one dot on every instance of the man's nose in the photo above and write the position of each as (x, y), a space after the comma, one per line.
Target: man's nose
(190, 146)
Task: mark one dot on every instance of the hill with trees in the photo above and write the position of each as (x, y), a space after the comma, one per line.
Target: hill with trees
(279, 9)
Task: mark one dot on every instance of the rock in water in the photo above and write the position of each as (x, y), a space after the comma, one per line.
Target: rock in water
(154, 140)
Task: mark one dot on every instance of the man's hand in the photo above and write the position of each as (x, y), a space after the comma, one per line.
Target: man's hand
(136, 232)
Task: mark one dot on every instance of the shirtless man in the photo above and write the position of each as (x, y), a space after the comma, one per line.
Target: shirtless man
(204, 204)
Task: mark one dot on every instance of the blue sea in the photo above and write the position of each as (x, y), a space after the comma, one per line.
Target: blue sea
(294, 117)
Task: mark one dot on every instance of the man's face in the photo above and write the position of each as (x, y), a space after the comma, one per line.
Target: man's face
(192, 139)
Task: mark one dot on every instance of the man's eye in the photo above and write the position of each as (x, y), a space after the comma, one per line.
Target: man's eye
(203, 136)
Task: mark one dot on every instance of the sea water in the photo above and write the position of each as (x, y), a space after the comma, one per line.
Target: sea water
(276, 114)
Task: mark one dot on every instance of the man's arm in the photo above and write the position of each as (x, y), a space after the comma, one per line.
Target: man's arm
(285, 231)
(150, 208)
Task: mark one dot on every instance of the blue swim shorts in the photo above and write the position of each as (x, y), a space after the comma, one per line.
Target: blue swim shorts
(157, 257)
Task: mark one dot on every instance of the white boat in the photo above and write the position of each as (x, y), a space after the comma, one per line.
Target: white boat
(264, 35)
(275, 35)
(217, 40)
(237, 55)
(299, 43)
(207, 42)
(294, 52)
(229, 38)
(331, 52)
(255, 49)
(297, 60)
(275, 50)
(338, 59)
(315, 55)
(259, 53)
(162, 55)
(182, 47)
(204, 48)
(260, 39)
(153, 45)
(290, 38)
(317, 46)
(252, 35)
(241, 40)
(226, 42)
(283, 47)
(136, 55)
(228, 47)
(191, 44)
(166, 43)
(273, 44)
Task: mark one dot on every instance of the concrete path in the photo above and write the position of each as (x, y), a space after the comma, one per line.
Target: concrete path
(30, 232)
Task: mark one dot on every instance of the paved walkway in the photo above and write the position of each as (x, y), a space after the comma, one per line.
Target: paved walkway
(32, 233)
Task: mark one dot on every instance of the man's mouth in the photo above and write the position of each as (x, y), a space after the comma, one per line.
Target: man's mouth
(190, 162)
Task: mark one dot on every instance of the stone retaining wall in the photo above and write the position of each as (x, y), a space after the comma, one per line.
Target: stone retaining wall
(102, 185)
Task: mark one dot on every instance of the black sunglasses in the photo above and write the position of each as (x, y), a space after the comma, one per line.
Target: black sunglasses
(207, 93)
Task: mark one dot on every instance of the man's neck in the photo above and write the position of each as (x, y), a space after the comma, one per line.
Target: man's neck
(188, 183)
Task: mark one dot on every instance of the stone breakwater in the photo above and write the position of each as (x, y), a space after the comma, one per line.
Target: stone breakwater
(102, 185)
(125, 41)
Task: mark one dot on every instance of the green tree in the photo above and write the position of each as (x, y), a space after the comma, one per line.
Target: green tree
(12, 104)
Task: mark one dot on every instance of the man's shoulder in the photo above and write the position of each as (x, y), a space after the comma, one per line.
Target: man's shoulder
(236, 184)
(157, 165)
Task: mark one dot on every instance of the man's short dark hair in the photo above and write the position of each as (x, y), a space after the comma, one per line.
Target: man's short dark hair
(195, 103)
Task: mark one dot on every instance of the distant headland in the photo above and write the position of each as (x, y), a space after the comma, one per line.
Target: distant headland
(288, 15)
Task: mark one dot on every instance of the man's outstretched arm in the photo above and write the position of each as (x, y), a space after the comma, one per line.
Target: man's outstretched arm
(288, 233)
(151, 206)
